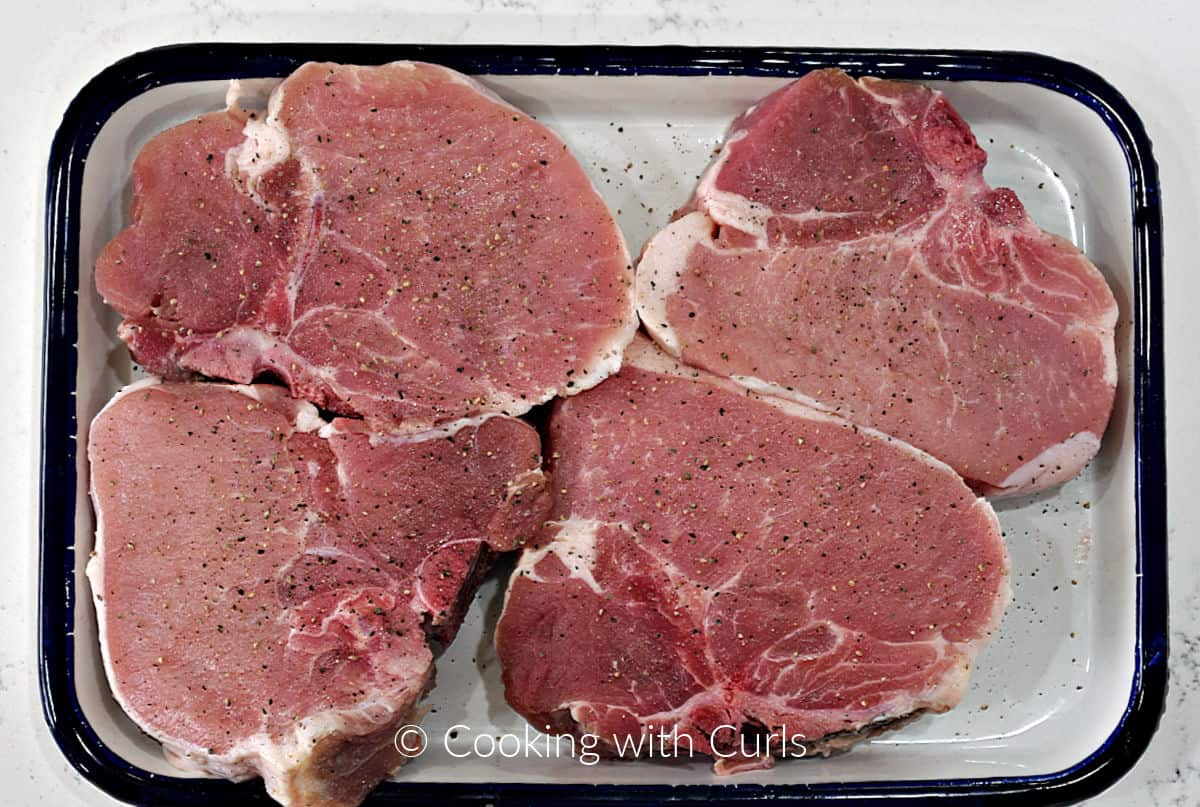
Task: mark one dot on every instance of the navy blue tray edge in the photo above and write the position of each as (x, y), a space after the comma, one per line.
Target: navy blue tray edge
(130, 77)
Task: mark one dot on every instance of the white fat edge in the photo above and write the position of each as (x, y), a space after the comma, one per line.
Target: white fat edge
(1110, 360)
(948, 690)
(402, 437)
(607, 363)
(274, 761)
(140, 384)
(245, 760)
(257, 89)
(265, 143)
(408, 64)
(306, 419)
(736, 211)
(774, 390)
(257, 755)
(939, 698)
(576, 709)
(646, 355)
(708, 180)
(944, 694)
(1107, 327)
(866, 83)
(240, 763)
(1058, 463)
(260, 755)
(952, 687)
(251, 336)
(663, 261)
(575, 546)
(659, 721)
(726, 208)
(583, 544)
(450, 73)
(514, 405)
(232, 93)
(800, 405)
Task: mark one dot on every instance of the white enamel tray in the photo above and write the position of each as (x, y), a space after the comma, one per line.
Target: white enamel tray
(1049, 692)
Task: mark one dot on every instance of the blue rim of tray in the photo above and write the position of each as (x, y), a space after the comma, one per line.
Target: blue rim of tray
(126, 79)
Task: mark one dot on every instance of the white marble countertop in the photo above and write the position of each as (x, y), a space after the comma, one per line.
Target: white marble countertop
(1148, 51)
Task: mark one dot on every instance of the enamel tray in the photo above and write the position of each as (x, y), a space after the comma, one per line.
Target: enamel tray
(1064, 699)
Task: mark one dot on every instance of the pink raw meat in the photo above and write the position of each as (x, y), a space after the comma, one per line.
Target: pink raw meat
(393, 242)
(719, 558)
(264, 580)
(845, 251)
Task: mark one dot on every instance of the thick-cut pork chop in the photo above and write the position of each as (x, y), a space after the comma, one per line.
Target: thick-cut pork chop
(722, 566)
(845, 251)
(264, 580)
(393, 242)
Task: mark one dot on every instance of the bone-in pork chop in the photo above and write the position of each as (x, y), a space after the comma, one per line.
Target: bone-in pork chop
(265, 581)
(393, 242)
(845, 251)
(728, 567)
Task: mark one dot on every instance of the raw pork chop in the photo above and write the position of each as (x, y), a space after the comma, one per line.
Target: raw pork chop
(718, 558)
(845, 251)
(393, 242)
(262, 579)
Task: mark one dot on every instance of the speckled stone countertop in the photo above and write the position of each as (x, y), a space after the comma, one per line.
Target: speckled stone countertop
(51, 49)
